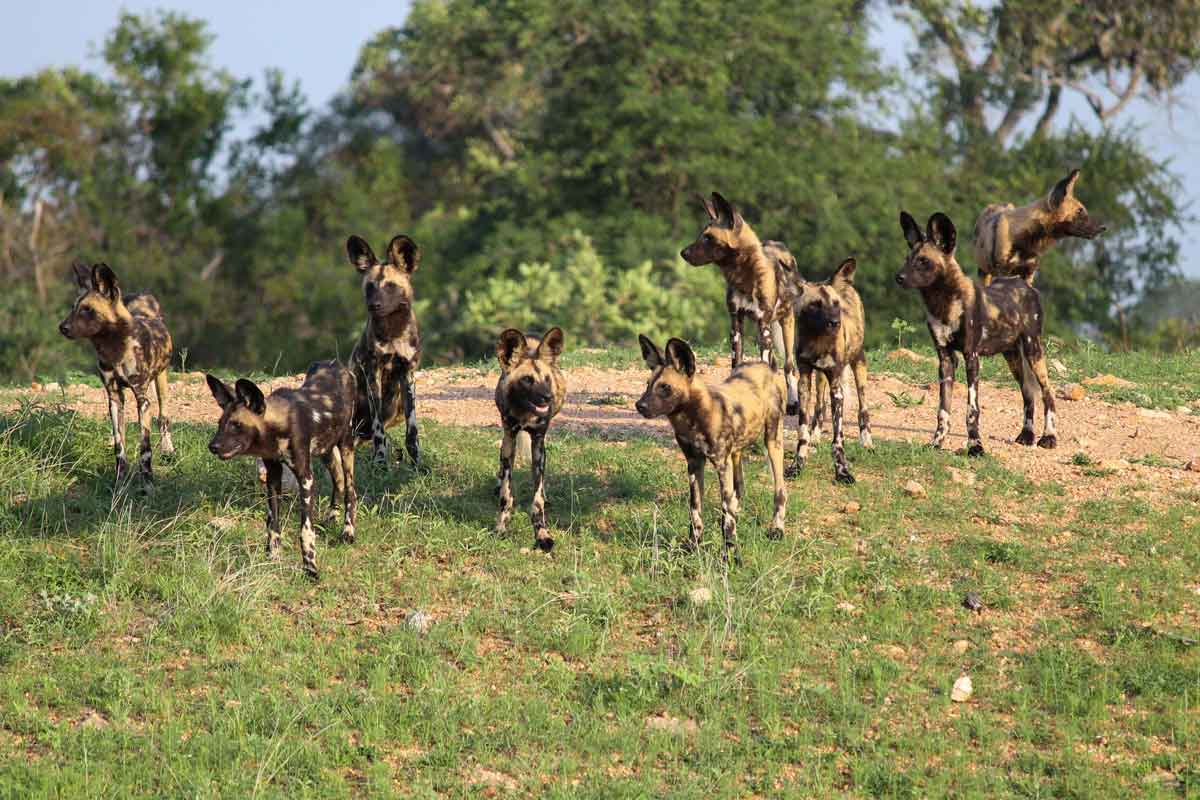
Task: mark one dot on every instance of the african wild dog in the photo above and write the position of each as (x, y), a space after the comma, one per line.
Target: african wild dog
(717, 424)
(965, 317)
(387, 355)
(829, 338)
(1010, 240)
(288, 428)
(133, 350)
(529, 394)
(757, 277)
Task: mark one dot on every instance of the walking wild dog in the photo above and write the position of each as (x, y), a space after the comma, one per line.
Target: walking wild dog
(756, 275)
(965, 317)
(289, 427)
(387, 355)
(717, 424)
(829, 337)
(1011, 240)
(133, 350)
(529, 395)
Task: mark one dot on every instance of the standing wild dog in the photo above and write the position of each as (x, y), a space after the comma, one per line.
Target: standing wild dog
(289, 427)
(757, 276)
(386, 357)
(133, 350)
(829, 337)
(716, 424)
(529, 394)
(965, 317)
(1011, 240)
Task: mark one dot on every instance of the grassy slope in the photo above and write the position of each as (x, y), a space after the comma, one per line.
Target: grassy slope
(146, 652)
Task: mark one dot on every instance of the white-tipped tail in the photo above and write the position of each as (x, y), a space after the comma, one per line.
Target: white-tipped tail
(524, 449)
(781, 346)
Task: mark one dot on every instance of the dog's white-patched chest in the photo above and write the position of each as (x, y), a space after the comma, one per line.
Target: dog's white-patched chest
(943, 330)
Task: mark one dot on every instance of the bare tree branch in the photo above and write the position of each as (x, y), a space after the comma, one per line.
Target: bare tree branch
(1051, 108)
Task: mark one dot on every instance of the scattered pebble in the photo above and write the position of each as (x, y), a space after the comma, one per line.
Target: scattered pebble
(419, 621)
(1183, 410)
(1108, 380)
(673, 725)
(962, 690)
(1153, 413)
(851, 508)
(914, 489)
(1072, 391)
(700, 596)
(1193, 465)
(961, 647)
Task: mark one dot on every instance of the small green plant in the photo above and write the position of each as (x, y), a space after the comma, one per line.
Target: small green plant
(608, 400)
(1082, 459)
(902, 327)
(905, 400)
(183, 353)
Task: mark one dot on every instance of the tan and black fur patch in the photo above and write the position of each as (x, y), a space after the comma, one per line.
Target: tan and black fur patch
(716, 424)
(529, 394)
(388, 352)
(1004, 317)
(830, 325)
(133, 351)
(288, 428)
(1011, 240)
(757, 278)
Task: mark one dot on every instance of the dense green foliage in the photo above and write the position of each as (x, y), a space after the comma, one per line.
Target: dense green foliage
(546, 155)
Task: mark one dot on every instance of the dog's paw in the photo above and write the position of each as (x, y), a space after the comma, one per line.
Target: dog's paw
(792, 409)
(544, 541)
(843, 476)
(1048, 442)
(1025, 437)
(975, 450)
(793, 470)
(775, 534)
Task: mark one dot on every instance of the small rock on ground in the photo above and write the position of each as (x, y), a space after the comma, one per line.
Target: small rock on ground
(1193, 465)
(1153, 413)
(419, 621)
(1108, 380)
(904, 354)
(962, 690)
(700, 596)
(914, 489)
(961, 646)
(668, 724)
(851, 508)
(1072, 391)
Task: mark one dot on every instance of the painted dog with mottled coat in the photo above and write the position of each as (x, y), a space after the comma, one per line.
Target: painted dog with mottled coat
(716, 424)
(757, 276)
(830, 325)
(387, 355)
(288, 428)
(965, 317)
(529, 394)
(133, 351)
(1011, 240)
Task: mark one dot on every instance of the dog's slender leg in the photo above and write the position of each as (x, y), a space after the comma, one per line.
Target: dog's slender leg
(947, 365)
(144, 451)
(729, 510)
(837, 400)
(766, 340)
(541, 535)
(116, 415)
(1024, 378)
(165, 445)
(864, 415)
(739, 481)
(274, 489)
(333, 465)
(1037, 360)
(695, 467)
(508, 448)
(408, 386)
(308, 539)
(773, 439)
(974, 441)
(350, 493)
(375, 402)
(816, 416)
(808, 390)
(736, 318)
(787, 327)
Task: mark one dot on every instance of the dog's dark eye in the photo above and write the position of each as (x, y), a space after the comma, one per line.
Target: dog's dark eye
(236, 427)
(527, 380)
(86, 313)
(664, 390)
(925, 263)
(708, 237)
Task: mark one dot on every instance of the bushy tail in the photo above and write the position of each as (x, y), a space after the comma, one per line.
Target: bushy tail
(780, 346)
(524, 452)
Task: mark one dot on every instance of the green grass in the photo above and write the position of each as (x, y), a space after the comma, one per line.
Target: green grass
(147, 652)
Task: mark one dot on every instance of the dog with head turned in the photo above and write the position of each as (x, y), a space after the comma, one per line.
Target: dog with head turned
(133, 351)
(529, 394)
(288, 428)
(1011, 240)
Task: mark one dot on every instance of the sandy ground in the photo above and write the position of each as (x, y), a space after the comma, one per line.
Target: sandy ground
(603, 399)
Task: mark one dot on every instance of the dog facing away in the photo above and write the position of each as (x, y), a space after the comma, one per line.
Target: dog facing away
(388, 352)
(830, 325)
(716, 425)
(757, 275)
(133, 351)
(1011, 240)
(529, 394)
(964, 317)
(288, 428)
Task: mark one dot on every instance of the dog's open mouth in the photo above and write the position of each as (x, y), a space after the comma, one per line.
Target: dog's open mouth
(543, 408)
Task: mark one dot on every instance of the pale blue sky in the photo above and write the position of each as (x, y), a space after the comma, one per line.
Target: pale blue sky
(317, 43)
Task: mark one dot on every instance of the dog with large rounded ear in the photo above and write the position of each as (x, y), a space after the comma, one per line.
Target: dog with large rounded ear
(941, 231)
(360, 253)
(681, 357)
(726, 213)
(650, 352)
(220, 391)
(404, 253)
(1063, 189)
(249, 395)
(708, 208)
(83, 275)
(912, 231)
(551, 346)
(845, 272)
(510, 348)
(104, 281)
